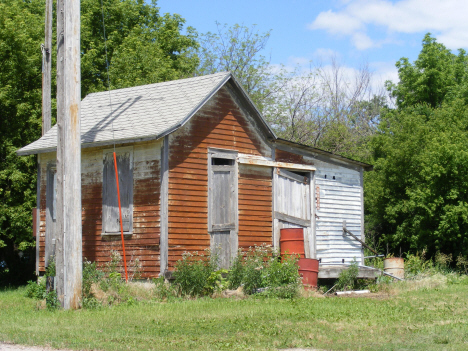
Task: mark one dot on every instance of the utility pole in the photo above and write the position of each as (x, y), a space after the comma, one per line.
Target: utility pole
(46, 70)
(46, 102)
(69, 264)
(59, 259)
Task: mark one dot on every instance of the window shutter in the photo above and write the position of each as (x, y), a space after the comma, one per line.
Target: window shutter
(110, 200)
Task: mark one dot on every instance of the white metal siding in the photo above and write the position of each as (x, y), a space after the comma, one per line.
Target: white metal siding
(340, 199)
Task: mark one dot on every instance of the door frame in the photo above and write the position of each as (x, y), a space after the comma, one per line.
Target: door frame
(309, 226)
(233, 232)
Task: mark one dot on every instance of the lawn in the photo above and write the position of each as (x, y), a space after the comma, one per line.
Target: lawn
(424, 317)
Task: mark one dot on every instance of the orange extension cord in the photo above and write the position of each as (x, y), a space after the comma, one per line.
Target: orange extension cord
(120, 216)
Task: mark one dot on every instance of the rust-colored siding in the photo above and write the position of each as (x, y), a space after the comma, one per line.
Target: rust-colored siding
(255, 206)
(219, 124)
(285, 156)
(42, 217)
(143, 243)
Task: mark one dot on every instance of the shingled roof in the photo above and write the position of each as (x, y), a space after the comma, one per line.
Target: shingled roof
(139, 113)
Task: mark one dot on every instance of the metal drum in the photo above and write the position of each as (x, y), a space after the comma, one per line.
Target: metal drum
(395, 266)
(292, 241)
(308, 269)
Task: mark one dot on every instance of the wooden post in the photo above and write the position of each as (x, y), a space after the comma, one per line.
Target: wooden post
(46, 101)
(59, 259)
(70, 152)
(46, 70)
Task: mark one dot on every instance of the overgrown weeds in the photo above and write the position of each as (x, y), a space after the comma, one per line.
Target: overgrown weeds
(40, 290)
(192, 273)
(259, 270)
(262, 270)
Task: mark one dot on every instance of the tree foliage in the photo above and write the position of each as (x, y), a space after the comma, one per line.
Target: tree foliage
(238, 49)
(436, 75)
(325, 108)
(417, 196)
(21, 31)
(143, 47)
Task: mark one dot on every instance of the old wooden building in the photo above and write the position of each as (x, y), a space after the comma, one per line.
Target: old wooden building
(199, 167)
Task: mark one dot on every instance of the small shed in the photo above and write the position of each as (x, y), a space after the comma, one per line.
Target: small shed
(198, 167)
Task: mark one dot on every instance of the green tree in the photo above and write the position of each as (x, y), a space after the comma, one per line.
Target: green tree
(417, 196)
(143, 47)
(436, 75)
(238, 49)
(21, 32)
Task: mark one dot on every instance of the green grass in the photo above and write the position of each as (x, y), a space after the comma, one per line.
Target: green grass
(422, 319)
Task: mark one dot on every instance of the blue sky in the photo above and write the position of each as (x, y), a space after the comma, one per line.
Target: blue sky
(376, 32)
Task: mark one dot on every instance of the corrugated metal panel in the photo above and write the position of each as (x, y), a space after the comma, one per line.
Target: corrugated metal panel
(340, 199)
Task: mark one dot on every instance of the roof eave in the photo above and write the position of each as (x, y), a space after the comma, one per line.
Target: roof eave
(239, 87)
(365, 166)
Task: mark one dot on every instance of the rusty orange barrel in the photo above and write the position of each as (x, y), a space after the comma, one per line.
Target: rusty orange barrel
(292, 241)
(308, 269)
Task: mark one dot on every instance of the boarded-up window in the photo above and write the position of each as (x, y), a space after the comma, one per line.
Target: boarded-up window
(110, 204)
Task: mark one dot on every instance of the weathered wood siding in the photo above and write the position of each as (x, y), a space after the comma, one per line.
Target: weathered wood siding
(143, 243)
(44, 160)
(222, 124)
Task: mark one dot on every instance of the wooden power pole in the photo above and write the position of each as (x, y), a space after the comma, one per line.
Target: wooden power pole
(46, 102)
(69, 237)
(46, 70)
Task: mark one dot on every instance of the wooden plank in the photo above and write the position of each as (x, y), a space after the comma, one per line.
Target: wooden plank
(291, 219)
(293, 176)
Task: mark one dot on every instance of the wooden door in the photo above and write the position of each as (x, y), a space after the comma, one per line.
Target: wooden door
(293, 203)
(222, 212)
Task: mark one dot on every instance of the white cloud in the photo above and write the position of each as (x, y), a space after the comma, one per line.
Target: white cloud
(381, 72)
(361, 41)
(325, 54)
(445, 18)
(336, 23)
